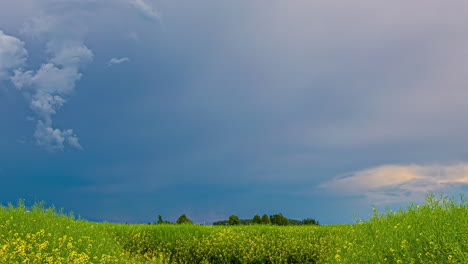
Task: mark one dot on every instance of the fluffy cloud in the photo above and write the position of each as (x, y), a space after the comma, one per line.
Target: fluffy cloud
(54, 139)
(72, 53)
(49, 88)
(117, 61)
(400, 183)
(145, 9)
(12, 54)
(62, 26)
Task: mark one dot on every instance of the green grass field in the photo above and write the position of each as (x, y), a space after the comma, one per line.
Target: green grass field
(433, 232)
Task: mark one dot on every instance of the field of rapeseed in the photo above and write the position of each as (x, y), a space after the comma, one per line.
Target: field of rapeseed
(434, 232)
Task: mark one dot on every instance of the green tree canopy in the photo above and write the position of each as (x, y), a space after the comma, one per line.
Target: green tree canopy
(279, 219)
(234, 220)
(265, 219)
(184, 220)
(309, 221)
(256, 219)
(160, 220)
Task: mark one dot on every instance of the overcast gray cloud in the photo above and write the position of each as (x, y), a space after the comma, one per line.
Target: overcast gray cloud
(344, 74)
(389, 74)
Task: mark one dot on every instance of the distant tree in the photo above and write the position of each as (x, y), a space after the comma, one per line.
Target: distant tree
(256, 219)
(309, 221)
(160, 220)
(265, 219)
(183, 220)
(233, 220)
(222, 222)
(279, 219)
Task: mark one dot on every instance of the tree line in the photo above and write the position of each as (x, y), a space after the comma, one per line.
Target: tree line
(275, 219)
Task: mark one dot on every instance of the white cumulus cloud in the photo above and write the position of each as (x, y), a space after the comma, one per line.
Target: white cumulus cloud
(49, 87)
(400, 183)
(62, 26)
(117, 61)
(72, 53)
(54, 139)
(12, 54)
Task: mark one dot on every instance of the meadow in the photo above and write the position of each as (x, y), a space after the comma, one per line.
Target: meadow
(433, 232)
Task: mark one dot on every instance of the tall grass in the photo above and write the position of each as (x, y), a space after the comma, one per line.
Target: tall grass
(433, 232)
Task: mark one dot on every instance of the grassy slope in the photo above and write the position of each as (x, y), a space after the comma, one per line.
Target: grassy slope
(435, 232)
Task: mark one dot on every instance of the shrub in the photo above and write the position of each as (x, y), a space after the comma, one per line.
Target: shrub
(183, 219)
(234, 220)
(265, 219)
(256, 219)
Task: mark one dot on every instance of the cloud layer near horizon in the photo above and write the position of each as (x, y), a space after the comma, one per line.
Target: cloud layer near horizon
(400, 183)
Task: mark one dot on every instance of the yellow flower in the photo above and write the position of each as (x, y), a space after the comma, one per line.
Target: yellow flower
(43, 245)
(338, 257)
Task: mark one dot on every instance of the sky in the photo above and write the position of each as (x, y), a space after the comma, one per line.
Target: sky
(122, 110)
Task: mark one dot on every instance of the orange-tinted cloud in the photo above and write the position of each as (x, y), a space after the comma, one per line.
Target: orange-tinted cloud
(399, 183)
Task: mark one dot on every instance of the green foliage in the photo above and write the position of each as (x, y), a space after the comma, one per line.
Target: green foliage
(234, 220)
(45, 235)
(183, 220)
(161, 221)
(265, 219)
(434, 232)
(279, 219)
(256, 219)
(241, 222)
(309, 221)
(294, 222)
